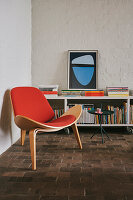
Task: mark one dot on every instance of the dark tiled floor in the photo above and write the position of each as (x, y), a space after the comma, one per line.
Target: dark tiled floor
(98, 172)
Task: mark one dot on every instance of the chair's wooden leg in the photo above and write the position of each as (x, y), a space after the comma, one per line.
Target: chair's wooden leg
(23, 133)
(32, 136)
(76, 133)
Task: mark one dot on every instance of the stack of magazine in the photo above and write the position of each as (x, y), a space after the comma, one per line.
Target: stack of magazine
(49, 90)
(117, 91)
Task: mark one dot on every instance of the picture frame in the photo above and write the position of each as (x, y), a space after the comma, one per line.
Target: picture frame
(82, 69)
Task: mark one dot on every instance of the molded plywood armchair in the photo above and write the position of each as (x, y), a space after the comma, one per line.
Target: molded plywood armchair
(33, 113)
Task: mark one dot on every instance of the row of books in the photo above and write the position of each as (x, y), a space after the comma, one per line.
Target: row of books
(86, 117)
(82, 92)
(118, 117)
(58, 113)
(117, 91)
(131, 114)
(52, 90)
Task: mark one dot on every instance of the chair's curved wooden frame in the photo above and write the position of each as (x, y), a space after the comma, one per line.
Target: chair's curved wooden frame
(34, 127)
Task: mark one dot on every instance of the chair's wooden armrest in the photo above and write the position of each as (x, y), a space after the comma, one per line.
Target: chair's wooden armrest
(75, 110)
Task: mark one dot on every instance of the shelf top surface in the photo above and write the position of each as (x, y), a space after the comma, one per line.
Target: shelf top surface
(89, 97)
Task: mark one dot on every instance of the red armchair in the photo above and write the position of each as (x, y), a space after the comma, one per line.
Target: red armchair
(33, 113)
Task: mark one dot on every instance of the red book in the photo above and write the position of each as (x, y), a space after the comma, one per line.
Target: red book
(94, 94)
(49, 92)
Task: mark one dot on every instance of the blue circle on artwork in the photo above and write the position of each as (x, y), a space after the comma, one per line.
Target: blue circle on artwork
(83, 74)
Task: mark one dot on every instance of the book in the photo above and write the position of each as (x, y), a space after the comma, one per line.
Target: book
(94, 93)
(131, 114)
(49, 92)
(118, 95)
(117, 88)
(71, 92)
(48, 87)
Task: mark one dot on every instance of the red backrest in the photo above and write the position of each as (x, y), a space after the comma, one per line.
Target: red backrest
(31, 103)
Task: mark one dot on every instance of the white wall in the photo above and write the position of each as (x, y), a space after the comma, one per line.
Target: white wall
(15, 61)
(61, 25)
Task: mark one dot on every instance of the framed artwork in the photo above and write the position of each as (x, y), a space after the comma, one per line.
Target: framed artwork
(82, 69)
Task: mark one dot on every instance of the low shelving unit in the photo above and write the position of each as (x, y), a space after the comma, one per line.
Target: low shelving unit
(62, 102)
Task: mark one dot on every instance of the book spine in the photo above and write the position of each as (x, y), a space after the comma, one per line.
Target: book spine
(118, 92)
(117, 88)
(49, 92)
(94, 94)
(118, 95)
(131, 114)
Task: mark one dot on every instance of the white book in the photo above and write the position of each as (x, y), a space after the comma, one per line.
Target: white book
(48, 87)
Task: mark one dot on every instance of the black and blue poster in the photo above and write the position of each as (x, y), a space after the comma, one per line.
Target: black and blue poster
(82, 70)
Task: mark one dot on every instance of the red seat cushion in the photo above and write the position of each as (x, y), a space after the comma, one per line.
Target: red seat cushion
(62, 121)
(31, 103)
